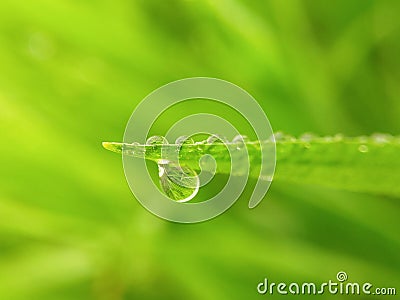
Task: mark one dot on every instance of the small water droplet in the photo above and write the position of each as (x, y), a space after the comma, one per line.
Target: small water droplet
(381, 138)
(178, 183)
(282, 137)
(240, 141)
(271, 138)
(307, 137)
(362, 139)
(240, 138)
(156, 140)
(279, 136)
(363, 148)
(129, 151)
(184, 139)
(266, 178)
(338, 137)
(215, 138)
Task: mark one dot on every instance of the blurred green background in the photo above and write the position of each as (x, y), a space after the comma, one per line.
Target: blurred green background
(73, 71)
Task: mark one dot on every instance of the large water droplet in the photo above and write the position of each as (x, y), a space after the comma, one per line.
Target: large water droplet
(178, 183)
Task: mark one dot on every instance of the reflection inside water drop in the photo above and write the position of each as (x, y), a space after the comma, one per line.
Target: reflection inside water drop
(178, 183)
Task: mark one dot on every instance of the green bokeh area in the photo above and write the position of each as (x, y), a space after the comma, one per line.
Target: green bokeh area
(73, 71)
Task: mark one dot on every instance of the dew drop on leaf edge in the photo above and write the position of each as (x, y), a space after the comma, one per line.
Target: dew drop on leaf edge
(180, 184)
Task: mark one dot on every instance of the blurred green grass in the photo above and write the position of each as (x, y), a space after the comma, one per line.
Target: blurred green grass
(72, 73)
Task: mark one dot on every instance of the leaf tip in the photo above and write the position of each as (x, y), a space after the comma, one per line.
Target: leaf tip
(114, 147)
